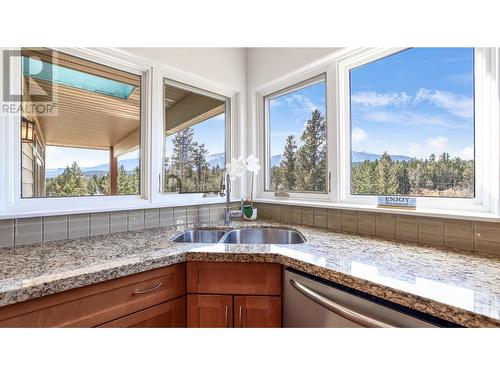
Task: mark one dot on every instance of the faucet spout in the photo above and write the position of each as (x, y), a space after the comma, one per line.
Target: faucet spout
(230, 213)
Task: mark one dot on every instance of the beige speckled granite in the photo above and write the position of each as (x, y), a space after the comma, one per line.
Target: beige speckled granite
(460, 287)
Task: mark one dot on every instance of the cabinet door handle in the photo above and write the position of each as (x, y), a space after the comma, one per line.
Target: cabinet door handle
(240, 316)
(226, 313)
(147, 290)
(338, 309)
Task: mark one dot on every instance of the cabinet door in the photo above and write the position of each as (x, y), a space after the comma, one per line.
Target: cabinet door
(209, 311)
(170, 314)
(257, 312)
(258, 279)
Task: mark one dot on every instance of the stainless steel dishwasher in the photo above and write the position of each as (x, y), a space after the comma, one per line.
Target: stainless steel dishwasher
(312, 303)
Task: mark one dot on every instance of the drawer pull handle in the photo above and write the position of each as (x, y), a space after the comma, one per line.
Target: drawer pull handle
(337, 308)
(226, 313)
(147, 290)
(241, 316)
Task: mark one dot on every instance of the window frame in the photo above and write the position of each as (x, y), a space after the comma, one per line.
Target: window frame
(337, 67)
(263, 97)
(12, 203)
(233, 130)
(227, 129)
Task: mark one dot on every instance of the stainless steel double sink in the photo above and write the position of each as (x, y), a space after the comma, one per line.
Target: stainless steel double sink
(242, 236)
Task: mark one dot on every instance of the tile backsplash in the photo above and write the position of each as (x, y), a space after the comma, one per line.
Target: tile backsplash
(450, 233)
(50, 228)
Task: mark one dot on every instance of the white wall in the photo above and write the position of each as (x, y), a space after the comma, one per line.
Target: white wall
(225, 66)
(265, 65)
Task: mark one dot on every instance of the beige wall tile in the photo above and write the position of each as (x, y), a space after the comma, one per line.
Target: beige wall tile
(136, 220)
(459, 234)
(216, 214)
(79, 225)
(55, 228)
(407, 228)
(275, 212)
(152, 218)
(180, 215)
(192, 214)
(204, 214)
(308, 216)
(285, 215)
(118, 221)
(296, 215)
(99, 223)
(349, 221)
(166, 217)
(7, 233)
(335, 220)
(487, 237)
(28, 231)
(431, 231)
(385, 226)
(321, 217)
(366, 223)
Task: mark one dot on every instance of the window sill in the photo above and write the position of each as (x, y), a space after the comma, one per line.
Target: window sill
(441, 213)
(85, 207)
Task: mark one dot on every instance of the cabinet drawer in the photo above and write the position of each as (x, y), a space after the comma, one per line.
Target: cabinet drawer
(171, 314)
(99, 303)
(233, 278)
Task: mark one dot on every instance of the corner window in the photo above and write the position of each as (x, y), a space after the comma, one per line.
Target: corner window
(412, 124)
(80, 127)
(296, 156)
(194, 139)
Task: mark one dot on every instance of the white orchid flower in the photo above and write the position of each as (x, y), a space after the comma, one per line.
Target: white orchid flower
(253, 164)
(236, 167)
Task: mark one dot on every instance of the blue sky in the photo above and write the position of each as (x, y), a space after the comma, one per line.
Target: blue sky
(416, 102)
(288, 114)
(210, 132)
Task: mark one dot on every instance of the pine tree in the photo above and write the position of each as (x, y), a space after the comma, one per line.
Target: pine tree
(403, 179)
(200, 154)
(386, 179)
(71, 182)
(311, 156)
(289, 162)
(182, 156)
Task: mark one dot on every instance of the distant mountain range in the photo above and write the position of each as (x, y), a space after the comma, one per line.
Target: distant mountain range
(213, 160)
(357, 157)
(129, 164)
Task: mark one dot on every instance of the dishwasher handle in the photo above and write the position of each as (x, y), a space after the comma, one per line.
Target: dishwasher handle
(343, 311)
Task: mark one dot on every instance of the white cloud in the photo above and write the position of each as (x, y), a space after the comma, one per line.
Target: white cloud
(415, 149)
(458, 105)
(438, 145)
(412, 118)
(301, 102)
(374, 99)
(358, 135)
(467, 153)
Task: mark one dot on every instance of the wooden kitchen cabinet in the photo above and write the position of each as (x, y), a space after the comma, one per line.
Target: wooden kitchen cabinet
(171, 314)
(96, 304)
(209, 311)
(257, 312)
(233, 278)
(225, 294)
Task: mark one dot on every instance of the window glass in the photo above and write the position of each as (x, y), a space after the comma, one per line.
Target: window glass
(412, 124)
(80, 128)
(194, 150)
(297, 150)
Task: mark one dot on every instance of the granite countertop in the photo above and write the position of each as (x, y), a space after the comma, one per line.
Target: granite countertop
(460, 287)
